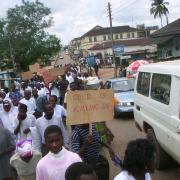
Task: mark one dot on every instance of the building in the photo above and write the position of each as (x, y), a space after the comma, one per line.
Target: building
(134, 49)
(168, 41)
(101, 35)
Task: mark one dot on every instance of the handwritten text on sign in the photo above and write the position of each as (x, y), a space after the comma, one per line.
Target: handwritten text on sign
(89, 106)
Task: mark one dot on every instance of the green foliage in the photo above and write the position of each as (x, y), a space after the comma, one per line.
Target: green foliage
(23, 36)
(159, 9)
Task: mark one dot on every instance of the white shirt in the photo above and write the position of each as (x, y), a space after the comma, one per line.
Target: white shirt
(14, 110)
(123, 175)
(42, 92)
(60, 111)
(31, 104)
(30, 121)
(42, 123)
(36, 139)
(70, 79)
(55, 91)
(7, 120)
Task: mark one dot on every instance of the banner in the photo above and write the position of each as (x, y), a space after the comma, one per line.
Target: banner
(34, 67)
(56, 72)
(26, 75)
(89, 106)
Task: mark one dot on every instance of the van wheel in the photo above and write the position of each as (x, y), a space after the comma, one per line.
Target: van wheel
(163, 160)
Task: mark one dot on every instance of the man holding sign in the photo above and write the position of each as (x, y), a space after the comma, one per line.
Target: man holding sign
(84, 108)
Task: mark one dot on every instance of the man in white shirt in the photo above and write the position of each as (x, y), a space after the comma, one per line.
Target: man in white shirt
(23, 122)
(47, 120)
(53, 166)
(29, 102)
(58, 109)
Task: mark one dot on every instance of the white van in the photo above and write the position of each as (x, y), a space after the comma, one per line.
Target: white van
(157, 108)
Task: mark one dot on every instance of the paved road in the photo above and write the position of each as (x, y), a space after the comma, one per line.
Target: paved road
(124, 131)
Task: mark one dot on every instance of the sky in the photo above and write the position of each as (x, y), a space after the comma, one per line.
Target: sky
(73, 18)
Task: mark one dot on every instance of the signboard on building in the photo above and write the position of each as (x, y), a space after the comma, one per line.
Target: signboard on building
(118, 50)
(89, 106)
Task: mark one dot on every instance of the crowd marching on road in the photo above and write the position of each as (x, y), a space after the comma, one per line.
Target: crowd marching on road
(35, 142)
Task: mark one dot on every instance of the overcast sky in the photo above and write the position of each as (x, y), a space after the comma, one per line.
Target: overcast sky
(73, 18)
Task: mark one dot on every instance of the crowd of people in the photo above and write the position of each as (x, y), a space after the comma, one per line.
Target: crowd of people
(35, 142)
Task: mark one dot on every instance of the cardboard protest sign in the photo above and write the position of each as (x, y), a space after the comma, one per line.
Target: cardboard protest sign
(89, 106)
(46, 75)
(26, 75)
(56, 71)
(34, 67)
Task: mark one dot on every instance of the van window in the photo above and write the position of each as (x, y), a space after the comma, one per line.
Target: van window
(160, 88)
(143, 83)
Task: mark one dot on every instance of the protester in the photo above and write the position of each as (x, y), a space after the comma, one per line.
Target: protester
(86, 144)
(63, 88)
(23, 122)
(15, 93)
(29, 102)
(25, 160)
(40, 101)
(7, 146)
(58, 109)
(7, 116)
(47, 120)
(80, 171)
(138, 161)
(24, 86)
(53, 166)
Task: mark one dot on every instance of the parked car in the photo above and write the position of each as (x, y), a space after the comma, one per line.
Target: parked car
(123, 93)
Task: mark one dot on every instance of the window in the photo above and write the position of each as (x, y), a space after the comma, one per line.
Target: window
(116, 36)
(143, 83)
(109, 37)
(95, 39)
(90, 39)
(104, 38)
(132, 35)
(128, 35)
(160, 88)
(121, 36)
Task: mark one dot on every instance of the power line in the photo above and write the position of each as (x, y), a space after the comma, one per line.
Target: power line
(126, 5)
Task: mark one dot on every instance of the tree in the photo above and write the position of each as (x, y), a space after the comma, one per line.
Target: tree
(158, 8)
(23, 36)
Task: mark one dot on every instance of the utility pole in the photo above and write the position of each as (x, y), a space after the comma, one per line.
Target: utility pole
(112, 40)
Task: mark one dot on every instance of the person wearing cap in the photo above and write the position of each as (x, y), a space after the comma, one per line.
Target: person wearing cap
(25, 160)
(7, 116)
